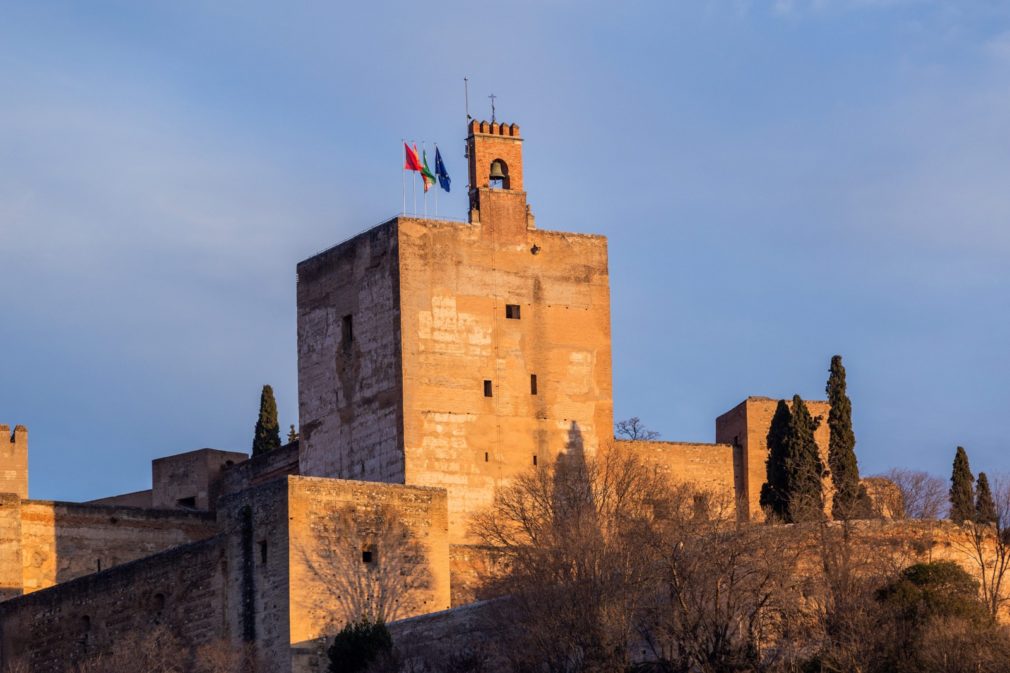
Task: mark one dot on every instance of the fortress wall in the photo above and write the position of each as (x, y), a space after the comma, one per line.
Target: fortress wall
(173, 600)
(332, 524)
(349, 367)
(255, 523)
(10, 546)
(61, 541)
(746, 426)
(135, 499)
(709, 467)
(260, 469)
(190, 480)
(456, 280)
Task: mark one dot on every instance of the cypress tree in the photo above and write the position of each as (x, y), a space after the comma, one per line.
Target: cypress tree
(846, 503)
(962, 500)
(268, 432)
(292, 434)
(774, 493)
(985, 506)
(803, 463)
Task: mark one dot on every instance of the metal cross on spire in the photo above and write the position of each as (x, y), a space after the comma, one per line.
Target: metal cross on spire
(492, 97)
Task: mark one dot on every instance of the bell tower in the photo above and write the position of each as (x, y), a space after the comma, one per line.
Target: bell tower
(497, 200)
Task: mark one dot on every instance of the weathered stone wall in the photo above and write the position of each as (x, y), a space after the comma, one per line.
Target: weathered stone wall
(134, 499)
(61, 541)
(260, 469)
(10, 546)
(14, 460)
(177, 594)
(455, 284)
(709, 467)
(745, 427)
(190, 480)
(359, 548)
(349, 369)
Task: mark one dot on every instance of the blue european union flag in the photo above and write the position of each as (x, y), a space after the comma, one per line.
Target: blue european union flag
(443, 177)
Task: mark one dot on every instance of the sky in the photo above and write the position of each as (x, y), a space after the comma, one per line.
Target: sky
(779, 181)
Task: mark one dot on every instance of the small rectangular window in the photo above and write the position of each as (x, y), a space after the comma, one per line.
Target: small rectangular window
(488, 392)
(346, 332)
(188, 503)
(486, 456)
(512, 311)
(367, 555)
(534, 459)
(99, 564)
(533, 384)
(263, 551)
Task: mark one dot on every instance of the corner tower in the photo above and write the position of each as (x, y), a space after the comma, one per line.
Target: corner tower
(451, 354)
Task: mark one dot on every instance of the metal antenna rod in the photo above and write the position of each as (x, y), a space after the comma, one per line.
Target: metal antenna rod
(466, 96)
(492, 97)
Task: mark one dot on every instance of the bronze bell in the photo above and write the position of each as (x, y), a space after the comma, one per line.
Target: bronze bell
(496, 171)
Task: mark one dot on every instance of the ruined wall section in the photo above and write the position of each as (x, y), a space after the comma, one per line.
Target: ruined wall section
(14, 460)
(359, 548)
(455, 285)
(708, 467)
(746, 428)
(61, 541)
(134, 499)
(174, 599)
(349, 368)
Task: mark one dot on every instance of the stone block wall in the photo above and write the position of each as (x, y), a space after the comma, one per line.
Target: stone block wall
(357, 549)
(349, 370)
(709, 467)
(172, 600)
(745, 427)
(60, 541)
(190, 480)
(456, 287)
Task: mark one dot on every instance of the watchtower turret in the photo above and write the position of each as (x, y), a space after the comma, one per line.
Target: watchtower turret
(14, 460)
(497, 199)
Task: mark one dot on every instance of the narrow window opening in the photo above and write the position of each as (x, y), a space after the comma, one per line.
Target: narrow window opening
(98, 563)
(512, 311)
(368, 555)
(533, 384)
(346, 332)
(188, 503)
(486, 457)
(263, 551)
(488, 391)
(534, 459)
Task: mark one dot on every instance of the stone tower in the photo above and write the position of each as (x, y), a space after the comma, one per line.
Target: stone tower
(456, 354)
(14, 460)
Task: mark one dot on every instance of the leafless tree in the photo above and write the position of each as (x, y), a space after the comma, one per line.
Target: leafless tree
(574, 556)
(923, 495)
(375, 568)
(988, 546)
(633, 428)
(728, 597)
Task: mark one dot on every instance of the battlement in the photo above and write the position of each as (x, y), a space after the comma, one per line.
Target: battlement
(494, 128)
(18, 440)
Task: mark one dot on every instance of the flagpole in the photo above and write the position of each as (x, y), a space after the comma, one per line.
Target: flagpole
(403, 175)
(413, 186)
(439, 185)
(423, 151)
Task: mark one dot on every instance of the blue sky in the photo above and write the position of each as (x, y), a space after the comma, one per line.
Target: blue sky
(780, 181)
